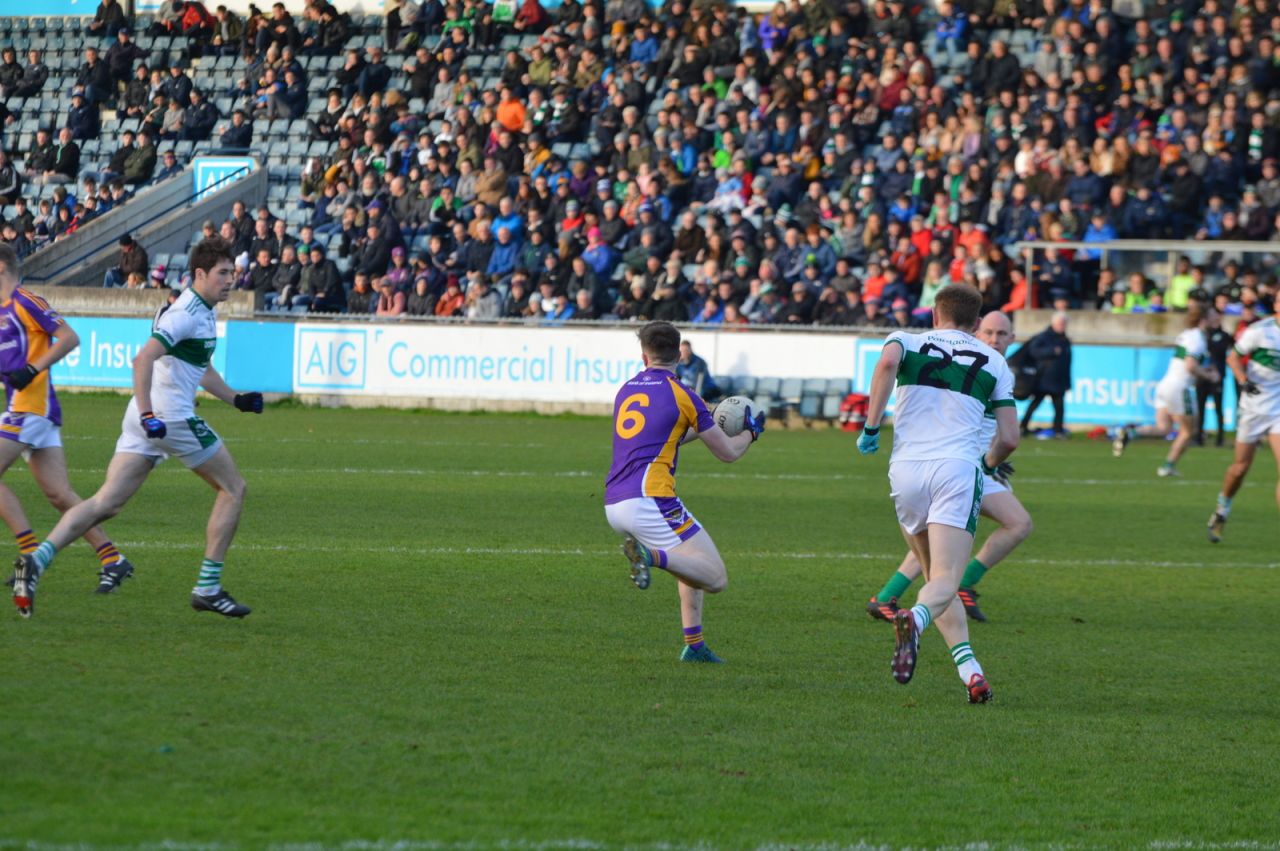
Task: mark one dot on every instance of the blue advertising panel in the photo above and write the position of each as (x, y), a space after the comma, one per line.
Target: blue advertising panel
(209, 170)
(107, 348)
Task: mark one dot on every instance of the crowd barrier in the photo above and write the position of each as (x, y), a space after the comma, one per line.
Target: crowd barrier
(547, 368)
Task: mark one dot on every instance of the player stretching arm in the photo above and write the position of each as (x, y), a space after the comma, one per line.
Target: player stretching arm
(33, 337)
(1176, 393)
(652, 414)
(1259, 415)
(160, 421)
(998, 502)
(947, 380)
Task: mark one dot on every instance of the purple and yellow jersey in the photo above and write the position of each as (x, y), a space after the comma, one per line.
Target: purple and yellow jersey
(27, 330)
(651, 414)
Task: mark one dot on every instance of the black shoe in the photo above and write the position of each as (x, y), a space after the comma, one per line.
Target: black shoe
(882, 611)
(220, 603)
(907, 642)
(110, 577)
(25, 577)
(969, 598)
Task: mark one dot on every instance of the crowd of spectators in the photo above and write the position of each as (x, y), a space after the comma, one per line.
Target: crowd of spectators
(827, 162)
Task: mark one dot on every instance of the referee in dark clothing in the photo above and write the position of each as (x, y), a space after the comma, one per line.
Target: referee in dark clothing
(1220, 342)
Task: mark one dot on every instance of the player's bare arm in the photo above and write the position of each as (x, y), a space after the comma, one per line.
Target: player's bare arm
(64, 344)
(143, 363)
(882, 380)
(1006, 440)
(727, 449)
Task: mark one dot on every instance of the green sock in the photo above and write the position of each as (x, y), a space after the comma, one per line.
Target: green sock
(210, 581)
(895, 587)
(973, 574)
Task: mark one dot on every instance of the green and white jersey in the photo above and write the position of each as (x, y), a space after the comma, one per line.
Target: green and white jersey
(1260, 343)
(188, 330)
(947, 382)
(1191, 343)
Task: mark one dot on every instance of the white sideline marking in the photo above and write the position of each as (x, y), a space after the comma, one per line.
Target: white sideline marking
(893, 558)
(587, 474)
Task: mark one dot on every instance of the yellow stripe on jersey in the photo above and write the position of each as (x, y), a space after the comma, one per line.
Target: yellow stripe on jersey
(34, 398)
(658, 480)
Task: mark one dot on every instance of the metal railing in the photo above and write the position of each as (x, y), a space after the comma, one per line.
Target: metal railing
(108, 241)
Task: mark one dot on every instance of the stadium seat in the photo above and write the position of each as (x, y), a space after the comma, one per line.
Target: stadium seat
(831, 407)
(810, 406)
(838, 386)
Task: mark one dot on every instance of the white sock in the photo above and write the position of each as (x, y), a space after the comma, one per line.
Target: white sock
(923, 617)
(966, 663)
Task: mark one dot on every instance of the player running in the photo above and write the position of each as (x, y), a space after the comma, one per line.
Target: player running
(32, 421)
(652, 415)
(1259, 414)
(1176, 393)
(998, 503)
(161, 421)
(947, 381)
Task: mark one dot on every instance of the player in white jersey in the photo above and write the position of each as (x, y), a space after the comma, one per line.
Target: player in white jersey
(1176, 393)
(1255, 361)
(173, 365)
(947, 380)
(998, 503)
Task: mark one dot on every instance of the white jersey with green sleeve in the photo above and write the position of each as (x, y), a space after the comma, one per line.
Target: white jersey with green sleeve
(947, 381)
(188, 330)
(1260, 343)
(1191, 343)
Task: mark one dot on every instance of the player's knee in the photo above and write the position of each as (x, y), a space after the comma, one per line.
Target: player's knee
(236, 489)
(718, 584)
(60, 500)
(1022, 527)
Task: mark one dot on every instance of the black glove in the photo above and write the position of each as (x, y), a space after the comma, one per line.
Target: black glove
(1003, 471)
(20, 378)
(1249, 388)
(249, 403)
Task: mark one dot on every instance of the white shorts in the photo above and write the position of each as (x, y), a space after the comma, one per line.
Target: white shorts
(190, 439)
(947, 493)
(31, 430)
(1252, 426)
(657, 522)
(990, 487)
(1179, 401)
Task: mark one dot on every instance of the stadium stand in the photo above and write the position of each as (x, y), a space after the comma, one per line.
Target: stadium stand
(823, 163)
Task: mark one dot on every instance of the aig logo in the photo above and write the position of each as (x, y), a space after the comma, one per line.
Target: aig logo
(330, 358)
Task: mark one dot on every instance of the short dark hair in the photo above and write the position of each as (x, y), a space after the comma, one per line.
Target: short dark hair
(9, 257)
(207, 254)
(959, 303)
(661, 342)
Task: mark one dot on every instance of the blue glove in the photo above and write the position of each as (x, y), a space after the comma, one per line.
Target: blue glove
(249, 403)
(869, 441)
(153, 426)
(753, 423)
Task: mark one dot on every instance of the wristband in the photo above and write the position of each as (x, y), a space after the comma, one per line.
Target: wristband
(871, 431)
(986, 468)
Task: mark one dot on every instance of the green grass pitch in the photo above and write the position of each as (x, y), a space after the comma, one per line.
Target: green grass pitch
(446, 652)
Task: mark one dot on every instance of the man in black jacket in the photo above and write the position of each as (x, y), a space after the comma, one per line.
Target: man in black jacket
(121, 56)
(198, 118)
(10, 180)
(1051, 352)
(34, 76)
(108, 20)
(95, 77)
(239, 135)
(11, 72)
(321, 284)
